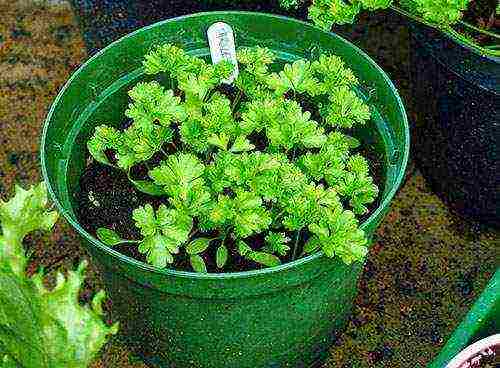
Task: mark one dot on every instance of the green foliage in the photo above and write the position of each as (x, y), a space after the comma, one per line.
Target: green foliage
(244, 212)
(180, 175)
(296, 77)
(25, 212)
(285, 123)
(345, 109)
(152, 104)
(242, 161)
(330, 162)
(163, 232)
(357, 185)
(276, 243)
(222, 256)
(198, 263)
(338, 234)
(441, 12)
(332, 73)
(254, 71)
(326, 13)
(130, 146)
(42, 328)
(264, 258)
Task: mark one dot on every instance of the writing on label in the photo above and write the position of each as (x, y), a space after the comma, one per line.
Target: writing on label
(221, 42)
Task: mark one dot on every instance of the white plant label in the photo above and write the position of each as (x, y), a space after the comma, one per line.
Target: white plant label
(221, 41)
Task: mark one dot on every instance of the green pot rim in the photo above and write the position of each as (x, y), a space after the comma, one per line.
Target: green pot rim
(229, 275)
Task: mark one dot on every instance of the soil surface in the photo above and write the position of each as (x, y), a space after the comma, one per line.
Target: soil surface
(423, 274)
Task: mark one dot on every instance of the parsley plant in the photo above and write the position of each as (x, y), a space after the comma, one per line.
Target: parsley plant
(232, 163)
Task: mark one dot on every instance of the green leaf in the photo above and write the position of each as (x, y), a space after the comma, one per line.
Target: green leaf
(345, 109)
(285, 123)
(22, 214)
(312, 245)
(109, 237)
(221, 256)
(41, 328)
(179, 174)
(243, 249)
(264, 258)
(255, 60)
(220, 140)
(130, 146)
(326, 13)
(333, 73)
(171, 59)
(245, 213)
(198, 263)
(153, 104)
(148, 187)
(104, 138)
(164, 232)
(145, 220)
(276, 243)
(296, 77)
(440, 12)
(198, 245)
(174, 224)
(339, 235)
(357, 185)
(7, 362)
(241, 144)
(378, 4)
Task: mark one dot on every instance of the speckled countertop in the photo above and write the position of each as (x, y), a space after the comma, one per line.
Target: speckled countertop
(422, 275)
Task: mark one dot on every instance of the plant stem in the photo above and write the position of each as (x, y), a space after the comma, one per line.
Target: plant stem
(296, 245)
(237, 100)
(450, 32)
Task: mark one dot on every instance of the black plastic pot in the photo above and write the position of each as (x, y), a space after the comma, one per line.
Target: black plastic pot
(456, 95)
(104, 21)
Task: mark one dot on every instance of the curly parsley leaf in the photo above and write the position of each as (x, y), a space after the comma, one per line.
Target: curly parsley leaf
(338, 235)
(297, 77)
(163, 232)
(153, 104)
(357, 185)
(326, 13)
(180, 175)
(345, 109)
(276, 243)
(244, 213)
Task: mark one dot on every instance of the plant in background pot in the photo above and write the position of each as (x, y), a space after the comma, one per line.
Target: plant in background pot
(456, 93)
(444, 15)
(256, 180)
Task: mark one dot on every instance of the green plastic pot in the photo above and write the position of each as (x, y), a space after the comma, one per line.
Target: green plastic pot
(283, 316)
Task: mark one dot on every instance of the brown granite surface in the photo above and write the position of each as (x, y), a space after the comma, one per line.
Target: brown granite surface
(421, 277)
